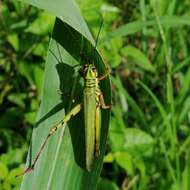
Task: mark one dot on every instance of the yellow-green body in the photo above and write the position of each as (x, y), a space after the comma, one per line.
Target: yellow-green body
(92, 115)
(92, 102)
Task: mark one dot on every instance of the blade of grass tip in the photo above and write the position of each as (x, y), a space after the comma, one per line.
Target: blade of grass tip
(160, 108)
(169, 85)
(182, 41)
(181, 65)
(168, 163)
(117, 82)
(168, 125)
(171, 7)
(144, 30)
(167, 55)
(139, 57)
(184, 111)
(184, 146)
(185, 88)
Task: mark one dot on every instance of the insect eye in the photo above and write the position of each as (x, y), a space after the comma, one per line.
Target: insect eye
(94, 69)
(85, 66)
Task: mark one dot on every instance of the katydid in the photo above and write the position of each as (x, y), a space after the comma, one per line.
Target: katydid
(93, 100)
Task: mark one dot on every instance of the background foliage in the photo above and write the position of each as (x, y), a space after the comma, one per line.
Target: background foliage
(146, 45)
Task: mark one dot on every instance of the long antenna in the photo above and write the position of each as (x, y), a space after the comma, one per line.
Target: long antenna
(97, 37)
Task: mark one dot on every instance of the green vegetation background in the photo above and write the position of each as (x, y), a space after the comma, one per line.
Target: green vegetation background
(146, 44)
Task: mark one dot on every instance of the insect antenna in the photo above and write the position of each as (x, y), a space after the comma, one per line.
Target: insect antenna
(97, 37)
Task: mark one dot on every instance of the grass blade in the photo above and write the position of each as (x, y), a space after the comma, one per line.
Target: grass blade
(133, 27)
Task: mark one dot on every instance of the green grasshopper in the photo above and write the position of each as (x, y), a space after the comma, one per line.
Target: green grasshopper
(93, 101)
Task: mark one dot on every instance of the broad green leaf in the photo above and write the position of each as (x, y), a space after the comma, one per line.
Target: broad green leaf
(108, 158)
(13, 155)
(62, 163)
(38, 77)
(109, 8)
(17, 99)
(140, 59)
(14, 41)
(40, 50)
(67, 11)
(42, 25)
(105, 184)
(26, 69)
(3, 171)
(125, 160)
(30, 117)
(33, 72)
(131, 140)
(175, 186)
(15, 182)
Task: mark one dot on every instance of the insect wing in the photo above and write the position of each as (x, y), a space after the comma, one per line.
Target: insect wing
(90, 117)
